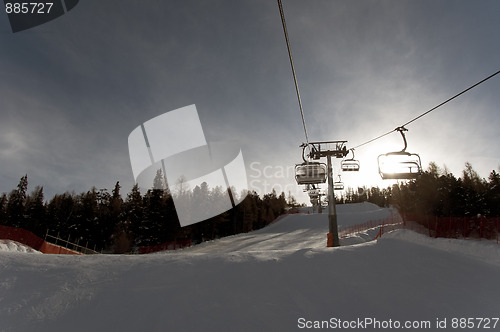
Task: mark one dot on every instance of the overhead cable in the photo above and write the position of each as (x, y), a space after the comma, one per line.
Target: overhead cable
(293, 68)
(427, 112)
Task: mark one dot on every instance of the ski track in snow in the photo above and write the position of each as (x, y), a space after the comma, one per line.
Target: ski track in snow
(264, 280)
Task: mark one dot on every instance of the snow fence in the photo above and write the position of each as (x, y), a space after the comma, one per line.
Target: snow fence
(28, 238)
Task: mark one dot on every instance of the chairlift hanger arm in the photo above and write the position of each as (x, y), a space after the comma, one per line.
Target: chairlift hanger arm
(401, 131)
(312, 151)
(351, 159)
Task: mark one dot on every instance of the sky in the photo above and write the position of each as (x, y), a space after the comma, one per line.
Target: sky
(73, 89)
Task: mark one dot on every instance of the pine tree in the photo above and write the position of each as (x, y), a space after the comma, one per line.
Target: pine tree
(291, 201)
(61, 212)
(134, 213)
(16, 204)
(493, 196)
(475, 191)
(151, 227)
(121, 239)
(36, 212)
(115, 204)
(250, 211)
(86, 220)
(159, 182)
(3, 209)
(426, 196)
(376, 196)
(173, 230)
(110, 216)
(220, 224)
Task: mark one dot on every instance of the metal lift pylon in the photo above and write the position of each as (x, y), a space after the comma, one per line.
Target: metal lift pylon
(339, 151)
(333, 232)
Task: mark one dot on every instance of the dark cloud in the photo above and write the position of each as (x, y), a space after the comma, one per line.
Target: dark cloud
(73, 89)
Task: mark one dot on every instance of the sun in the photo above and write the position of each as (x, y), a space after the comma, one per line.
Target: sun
(369, 174)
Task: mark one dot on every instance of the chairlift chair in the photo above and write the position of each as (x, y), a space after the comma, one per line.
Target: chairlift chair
(400, 165)
(350, 165)
(308, 187)
(310, 173)
(313, 193)
(338, 185)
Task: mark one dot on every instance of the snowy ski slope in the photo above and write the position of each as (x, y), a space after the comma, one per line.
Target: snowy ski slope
(298, 231)
(281, 278)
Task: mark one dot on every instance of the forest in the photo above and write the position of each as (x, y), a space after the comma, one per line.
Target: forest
(437, 192)
(106, 221)
(109, 223)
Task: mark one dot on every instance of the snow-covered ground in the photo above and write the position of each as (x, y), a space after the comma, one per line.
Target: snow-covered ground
(280, 278)
(297, 231)
(14, 246)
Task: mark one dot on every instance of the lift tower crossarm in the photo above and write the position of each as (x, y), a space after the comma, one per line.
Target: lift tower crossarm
(322, 149)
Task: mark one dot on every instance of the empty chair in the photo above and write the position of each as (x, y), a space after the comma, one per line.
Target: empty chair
(313, 193)
(350, 165)
(401, 164)
(338, 185)
(310, 173)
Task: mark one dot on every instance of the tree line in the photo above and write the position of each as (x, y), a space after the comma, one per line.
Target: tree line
(439, 193)
(106, 221)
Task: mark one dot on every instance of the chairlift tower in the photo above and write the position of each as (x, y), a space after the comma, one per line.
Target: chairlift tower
(320, 207)
(328, 149)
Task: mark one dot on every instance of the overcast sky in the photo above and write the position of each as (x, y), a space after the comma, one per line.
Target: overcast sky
(73, 89)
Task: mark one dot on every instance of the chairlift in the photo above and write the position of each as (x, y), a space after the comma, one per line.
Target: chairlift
(313, 193)
(350, 165)
(400, 165)
(310, 187)
(310, 173)
(338, 185)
